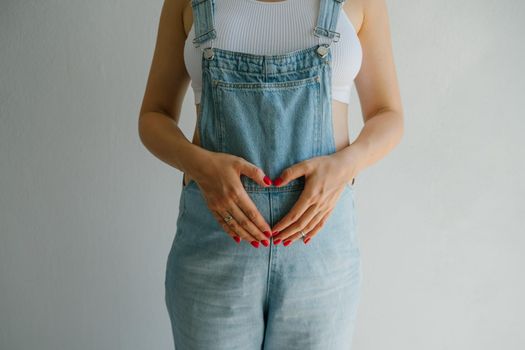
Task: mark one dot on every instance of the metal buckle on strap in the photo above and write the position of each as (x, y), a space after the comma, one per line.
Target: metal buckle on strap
(323, 48)
(336, 37)
(208, 51)
(203, 37)
(332, 35)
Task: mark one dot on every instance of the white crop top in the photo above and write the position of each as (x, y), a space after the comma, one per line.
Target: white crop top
(268, 28)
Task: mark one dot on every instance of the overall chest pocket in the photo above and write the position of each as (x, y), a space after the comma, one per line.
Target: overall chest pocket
(271, 124)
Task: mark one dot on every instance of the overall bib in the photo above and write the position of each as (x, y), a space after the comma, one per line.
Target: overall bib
(274, 111)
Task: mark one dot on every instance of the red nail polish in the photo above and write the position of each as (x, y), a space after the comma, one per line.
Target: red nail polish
(267, 180)
(277, 241)
(275, 233)
(277, 181)
(255, 244)
(237, 239)
(307, 239)
(285, 243)
(268, 234)
(265, 242)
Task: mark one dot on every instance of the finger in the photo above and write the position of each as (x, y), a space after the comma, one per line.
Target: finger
(314, 231)
(243, 221)
(302, 223)
(226, 227)
(245, 203)
(254, 172)
(307, 229)
(304, 201)
(311, 229)
(233, 226)
(292, 172)
(295, 237)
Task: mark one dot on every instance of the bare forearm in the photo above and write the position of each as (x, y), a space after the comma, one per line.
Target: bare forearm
(164, 139)
(380, 134)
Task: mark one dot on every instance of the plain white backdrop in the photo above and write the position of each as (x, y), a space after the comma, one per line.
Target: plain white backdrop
(87, 214)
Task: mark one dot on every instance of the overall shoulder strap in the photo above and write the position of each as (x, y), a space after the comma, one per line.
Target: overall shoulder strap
(203, 19)
(327, 19)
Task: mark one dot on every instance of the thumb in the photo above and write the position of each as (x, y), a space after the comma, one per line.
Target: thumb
(254, 172)
(290, 173)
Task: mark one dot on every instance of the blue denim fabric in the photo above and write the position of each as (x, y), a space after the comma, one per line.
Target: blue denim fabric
(274, 111)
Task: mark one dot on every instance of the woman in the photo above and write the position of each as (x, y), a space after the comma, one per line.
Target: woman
(269, 161)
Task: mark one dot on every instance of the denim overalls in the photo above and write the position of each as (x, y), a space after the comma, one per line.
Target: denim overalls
(274, 111)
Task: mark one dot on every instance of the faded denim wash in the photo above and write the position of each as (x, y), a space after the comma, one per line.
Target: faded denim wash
(274, 111)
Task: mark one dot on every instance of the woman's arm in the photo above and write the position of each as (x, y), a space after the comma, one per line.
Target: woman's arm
(380, 99)
(166, 88)
(219, 180)
(378, 92)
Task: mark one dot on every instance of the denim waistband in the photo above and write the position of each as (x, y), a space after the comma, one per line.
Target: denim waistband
(252, 186)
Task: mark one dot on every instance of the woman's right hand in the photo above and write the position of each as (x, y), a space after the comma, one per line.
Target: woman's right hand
(218, 177)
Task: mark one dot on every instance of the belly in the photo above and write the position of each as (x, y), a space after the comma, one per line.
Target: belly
(339, 124)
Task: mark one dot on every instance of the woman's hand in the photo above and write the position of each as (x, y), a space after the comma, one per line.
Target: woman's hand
(218, 176)
(326, 177)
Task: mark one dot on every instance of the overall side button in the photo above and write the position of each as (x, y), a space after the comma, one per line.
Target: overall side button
(208, 53)
(322, 50)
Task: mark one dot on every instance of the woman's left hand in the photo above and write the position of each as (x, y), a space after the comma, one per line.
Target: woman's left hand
(325, 179)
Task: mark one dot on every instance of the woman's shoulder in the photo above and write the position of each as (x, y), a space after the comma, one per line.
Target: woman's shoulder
(355, 11)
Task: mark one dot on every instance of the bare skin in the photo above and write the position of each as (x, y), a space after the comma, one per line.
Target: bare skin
(326, 176)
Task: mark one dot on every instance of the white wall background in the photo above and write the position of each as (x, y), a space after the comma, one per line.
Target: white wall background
(87, 214)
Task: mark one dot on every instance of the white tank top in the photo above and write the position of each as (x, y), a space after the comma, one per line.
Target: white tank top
(268, 28)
